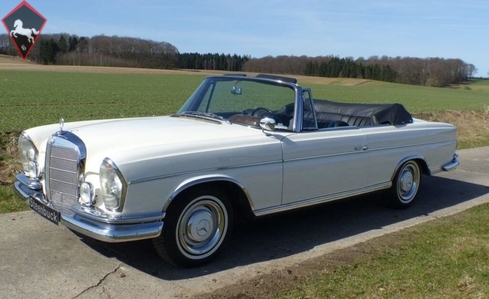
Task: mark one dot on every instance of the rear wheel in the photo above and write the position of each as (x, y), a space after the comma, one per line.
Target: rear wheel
(405, 185)
(196, 227)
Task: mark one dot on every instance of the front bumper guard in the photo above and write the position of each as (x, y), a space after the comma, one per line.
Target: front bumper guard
(92, 224)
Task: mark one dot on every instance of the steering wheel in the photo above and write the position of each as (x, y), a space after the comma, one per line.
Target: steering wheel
(262, 112)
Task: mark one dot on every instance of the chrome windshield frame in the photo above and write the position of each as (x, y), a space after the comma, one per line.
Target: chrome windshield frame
(197, 97)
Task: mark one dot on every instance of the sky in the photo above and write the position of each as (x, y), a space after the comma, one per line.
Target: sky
(258, 28)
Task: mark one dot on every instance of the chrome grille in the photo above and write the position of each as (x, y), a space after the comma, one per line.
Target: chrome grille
(62, 171)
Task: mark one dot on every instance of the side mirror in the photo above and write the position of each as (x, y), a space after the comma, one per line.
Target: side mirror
(267, 124)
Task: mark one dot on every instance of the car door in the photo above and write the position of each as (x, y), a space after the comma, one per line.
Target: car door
(324, 164)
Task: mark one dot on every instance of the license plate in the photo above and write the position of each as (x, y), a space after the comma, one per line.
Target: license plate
(45, 211)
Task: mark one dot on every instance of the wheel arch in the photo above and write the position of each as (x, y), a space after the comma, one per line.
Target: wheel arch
(236, 191)
(418, 159)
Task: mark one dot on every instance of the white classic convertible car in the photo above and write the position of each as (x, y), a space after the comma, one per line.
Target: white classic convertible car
(239, 145)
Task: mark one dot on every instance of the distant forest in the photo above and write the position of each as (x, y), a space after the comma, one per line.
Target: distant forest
(115, 51)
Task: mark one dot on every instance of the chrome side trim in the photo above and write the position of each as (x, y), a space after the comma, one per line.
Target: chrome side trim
(159, 177)
(322, 199)
(353, 152)
(404, 146)
(452, 164)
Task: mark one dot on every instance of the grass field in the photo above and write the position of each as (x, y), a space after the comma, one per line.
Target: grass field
(417, 99)
(31, 98)
(35, 98)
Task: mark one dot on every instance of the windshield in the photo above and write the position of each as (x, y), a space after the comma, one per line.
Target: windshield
(232, 98)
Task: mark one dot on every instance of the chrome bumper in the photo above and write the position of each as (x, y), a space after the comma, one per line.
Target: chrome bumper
(452, 164)
(94, 224)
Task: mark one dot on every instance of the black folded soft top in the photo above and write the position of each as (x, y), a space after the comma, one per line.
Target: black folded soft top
(393, 114)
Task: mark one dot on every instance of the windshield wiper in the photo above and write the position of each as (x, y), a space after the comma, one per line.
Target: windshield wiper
(200, 114)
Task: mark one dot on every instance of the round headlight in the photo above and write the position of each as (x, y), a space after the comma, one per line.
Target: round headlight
(112, 185)
(28, 156)
(31, 154)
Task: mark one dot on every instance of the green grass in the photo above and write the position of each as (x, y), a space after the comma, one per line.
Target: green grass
(35, 98)
(9, 202)
(32, 98)
(446, 258)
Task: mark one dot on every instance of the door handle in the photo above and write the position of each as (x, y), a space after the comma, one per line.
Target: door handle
(363, 148)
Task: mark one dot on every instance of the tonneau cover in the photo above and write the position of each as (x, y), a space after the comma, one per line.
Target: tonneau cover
(394, 114)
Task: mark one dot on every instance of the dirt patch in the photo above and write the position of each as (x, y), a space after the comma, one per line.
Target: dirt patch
(332, 81)
(7, 173)
(15, 63)
(8, 157)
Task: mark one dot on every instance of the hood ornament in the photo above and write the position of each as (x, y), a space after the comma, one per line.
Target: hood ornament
(61, 124)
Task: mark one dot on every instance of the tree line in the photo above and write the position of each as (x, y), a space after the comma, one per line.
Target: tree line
(115, 51)
(348, 68)
(211, 61)
(437, 72)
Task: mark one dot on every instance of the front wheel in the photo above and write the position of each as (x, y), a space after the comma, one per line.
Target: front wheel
(405, 185)
(196, 227)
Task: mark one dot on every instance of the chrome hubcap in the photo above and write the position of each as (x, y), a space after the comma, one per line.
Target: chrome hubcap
(408, 182)
(202, 227)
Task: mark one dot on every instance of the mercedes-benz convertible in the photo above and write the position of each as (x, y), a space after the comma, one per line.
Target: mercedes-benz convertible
(239, 145)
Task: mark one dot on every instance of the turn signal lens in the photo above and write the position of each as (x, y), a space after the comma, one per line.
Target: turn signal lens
(32, 170)
(86, 194)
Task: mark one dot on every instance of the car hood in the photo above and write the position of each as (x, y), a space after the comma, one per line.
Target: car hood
(176, 144)
(149, 131)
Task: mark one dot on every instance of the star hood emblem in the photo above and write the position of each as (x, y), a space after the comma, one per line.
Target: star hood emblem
(61, 124)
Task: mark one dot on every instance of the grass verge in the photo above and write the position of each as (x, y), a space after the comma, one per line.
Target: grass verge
(443, 258)
(446, 258)
(9, 202)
